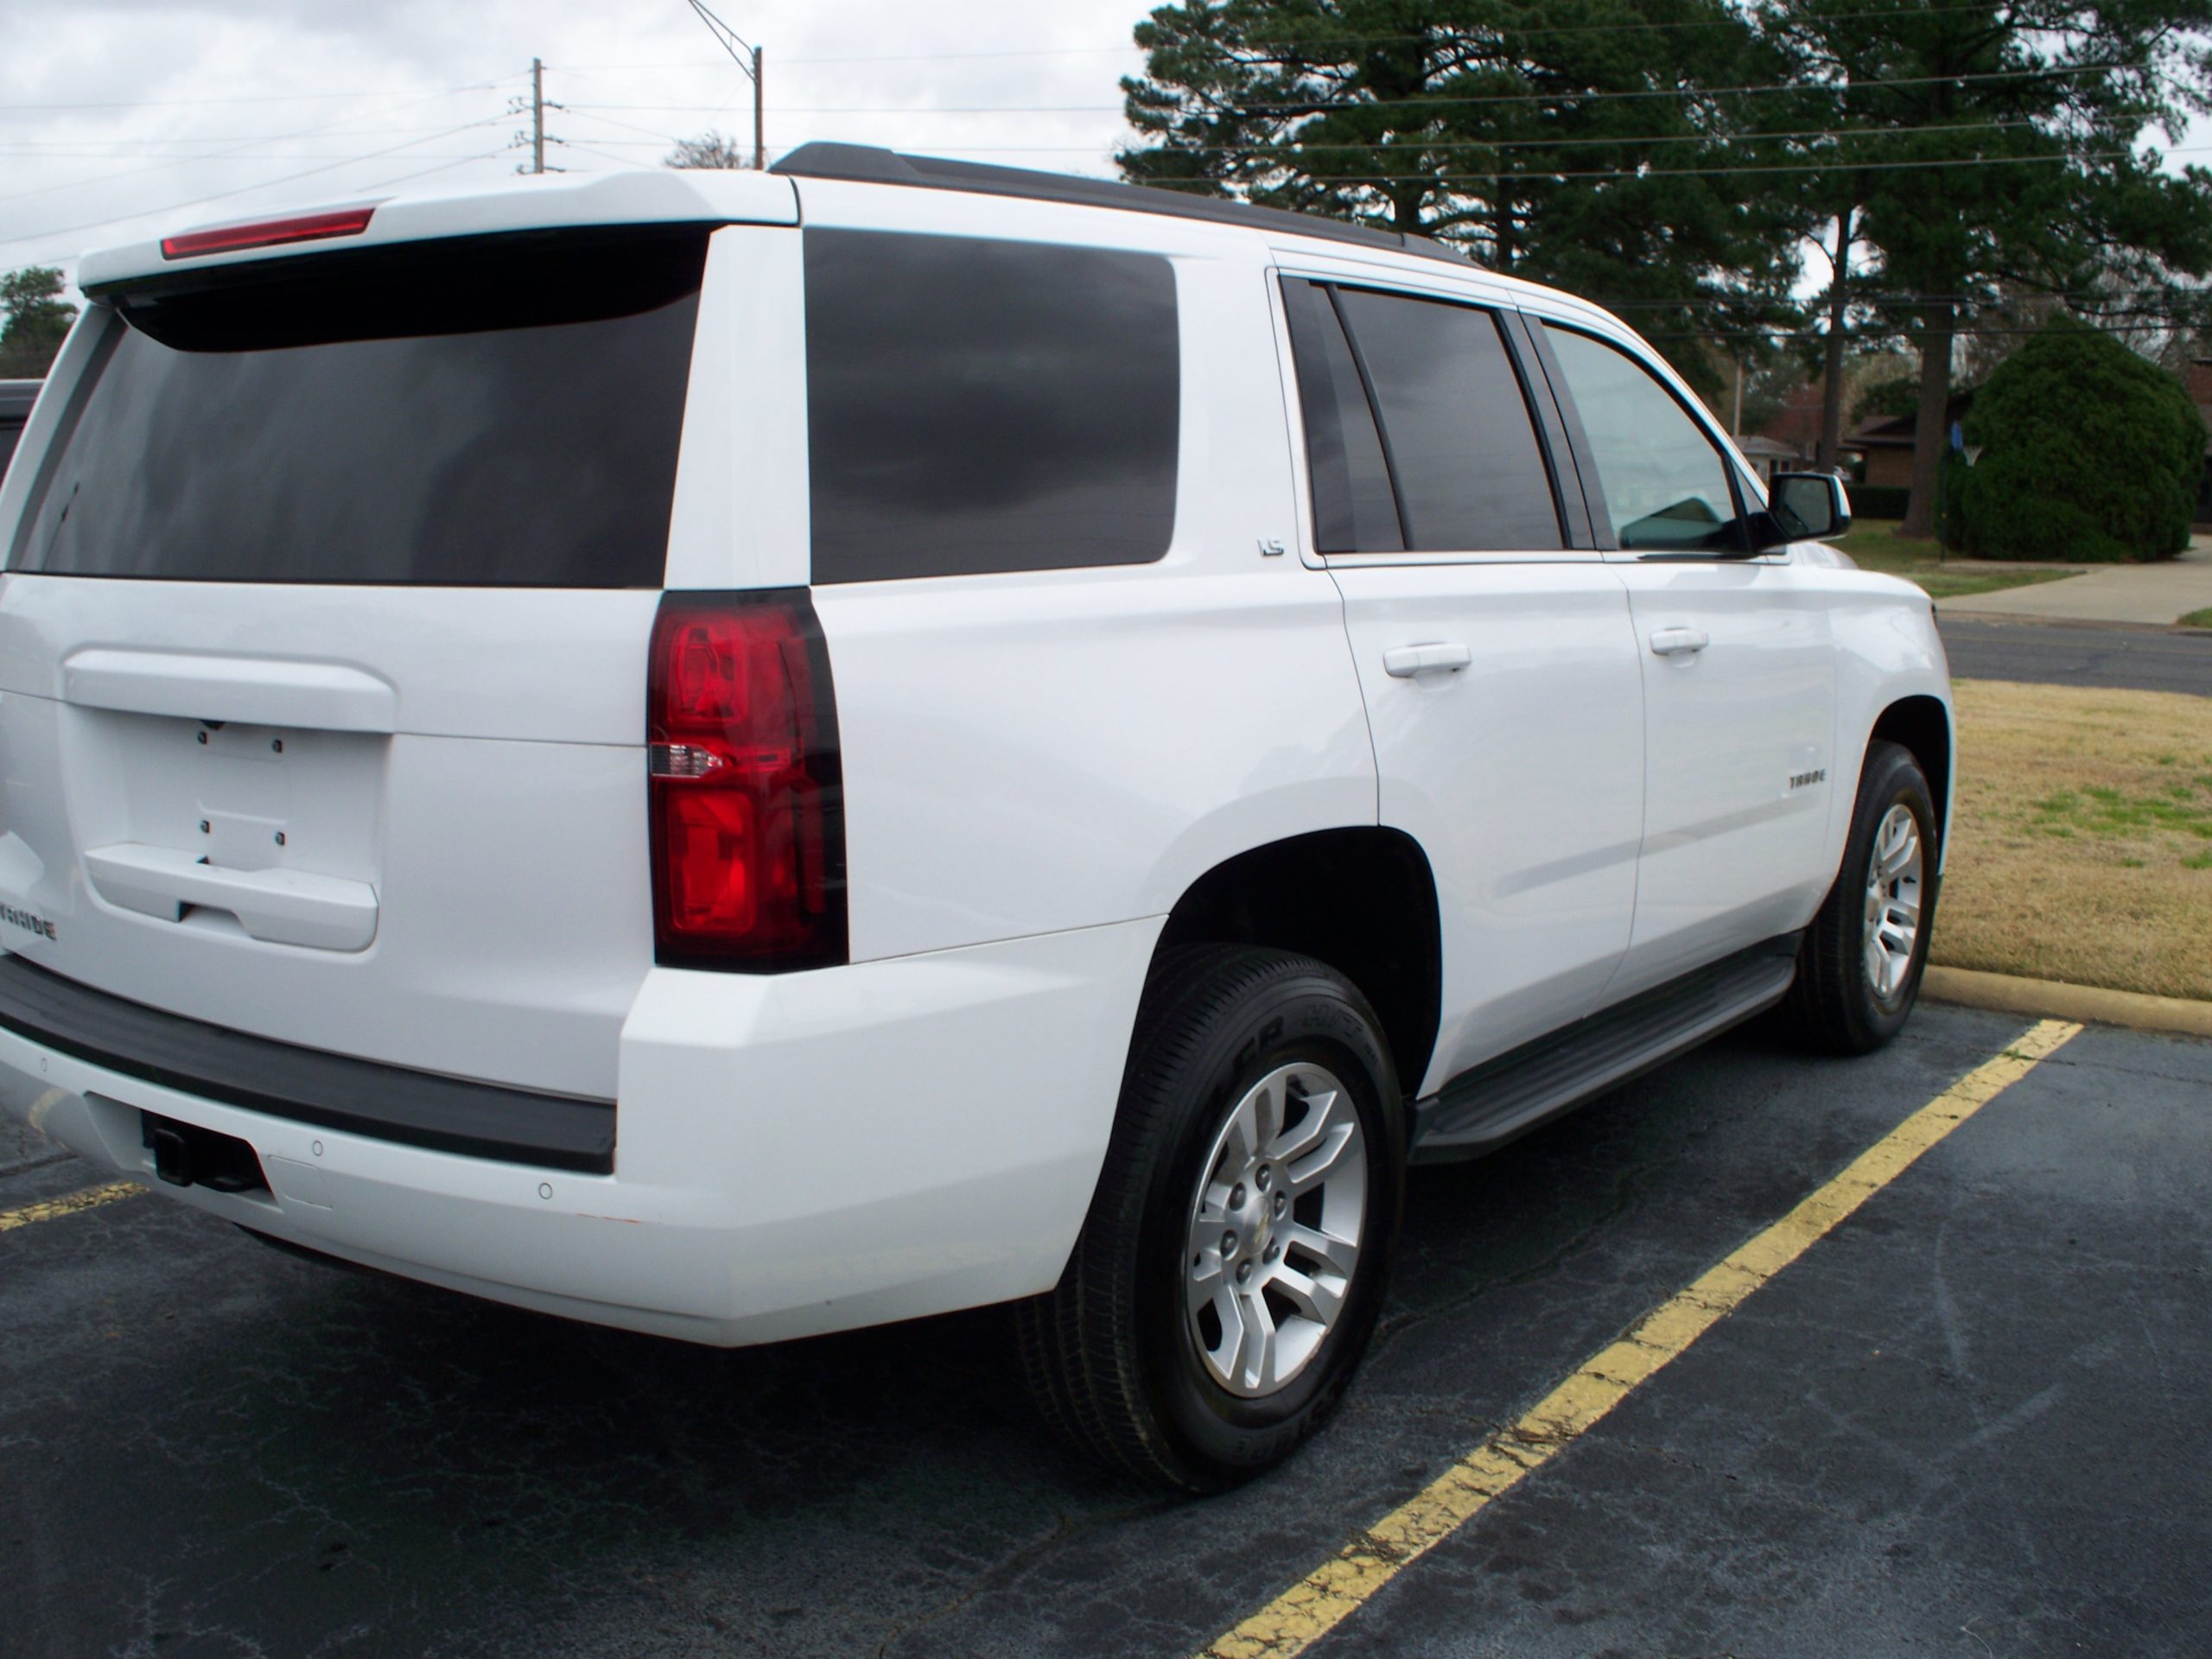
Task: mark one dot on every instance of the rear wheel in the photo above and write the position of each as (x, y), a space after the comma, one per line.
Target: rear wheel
(1858, 970)
(1231, 1268)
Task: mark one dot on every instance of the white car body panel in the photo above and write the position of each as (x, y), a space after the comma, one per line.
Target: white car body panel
(1535, 861)
(1734, 816)
(800, 1153)
(1215, 706)
(1036, 766)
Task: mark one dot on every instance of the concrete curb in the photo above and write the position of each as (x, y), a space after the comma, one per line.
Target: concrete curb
(2047, 999)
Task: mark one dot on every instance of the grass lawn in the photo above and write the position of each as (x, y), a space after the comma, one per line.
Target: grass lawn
(2197, 619)
(2083, 850)
(1875, 544)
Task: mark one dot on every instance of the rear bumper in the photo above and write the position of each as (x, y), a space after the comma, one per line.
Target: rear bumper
(799, 1153)
(330, 1091)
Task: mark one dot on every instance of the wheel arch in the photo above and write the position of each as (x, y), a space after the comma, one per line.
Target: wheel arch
(1922, 724)
(1360, 899)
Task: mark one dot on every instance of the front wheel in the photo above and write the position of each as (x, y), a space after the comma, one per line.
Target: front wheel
(1231, 1268)
(1858, 970)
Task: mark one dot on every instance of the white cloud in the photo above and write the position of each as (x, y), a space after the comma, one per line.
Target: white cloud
(122, 119)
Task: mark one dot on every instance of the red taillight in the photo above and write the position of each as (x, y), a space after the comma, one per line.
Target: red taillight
(748, 814)
(268, 232)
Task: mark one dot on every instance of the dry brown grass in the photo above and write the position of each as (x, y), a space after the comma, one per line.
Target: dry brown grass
(2083, 847)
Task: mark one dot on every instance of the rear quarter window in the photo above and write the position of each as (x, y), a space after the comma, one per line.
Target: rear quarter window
(976, 405)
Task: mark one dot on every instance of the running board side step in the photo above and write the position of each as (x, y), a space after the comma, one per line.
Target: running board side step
(1481, 1109)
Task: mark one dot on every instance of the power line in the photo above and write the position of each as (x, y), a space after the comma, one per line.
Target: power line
(620, 161)
(246, 144)
(180, 161)
(123, 148)
(1641, 25)
(747, 57)
(1732, 171)
(443, 167)
(259, 98)
(1295, 106)
(1471, 143)
(1517, 29)
(243, 189)
(1312, 106)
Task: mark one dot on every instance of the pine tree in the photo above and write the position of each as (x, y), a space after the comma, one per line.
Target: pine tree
(2008, 160)
(37, 321)
(1581, 144)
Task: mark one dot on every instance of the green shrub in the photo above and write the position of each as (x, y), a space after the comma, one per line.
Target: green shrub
(2090, 454)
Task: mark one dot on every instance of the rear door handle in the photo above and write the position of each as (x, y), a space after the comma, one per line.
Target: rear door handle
(1441, 657)
(1676, 642)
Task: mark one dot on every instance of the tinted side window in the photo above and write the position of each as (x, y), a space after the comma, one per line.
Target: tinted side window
(10, 432)
(1463, 447)
(980, 405)
(1354, 511)
(1665, 484)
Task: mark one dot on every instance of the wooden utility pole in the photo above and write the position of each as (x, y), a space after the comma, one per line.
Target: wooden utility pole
(537, 115)
(760, 129)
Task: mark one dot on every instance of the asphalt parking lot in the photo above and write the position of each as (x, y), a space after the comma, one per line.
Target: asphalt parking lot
(1970, 1419)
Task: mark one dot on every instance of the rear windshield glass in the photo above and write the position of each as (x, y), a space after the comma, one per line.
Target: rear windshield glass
(497, 412)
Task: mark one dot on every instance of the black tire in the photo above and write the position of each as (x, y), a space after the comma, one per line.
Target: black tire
(1109, 1353)
(1833, 1006)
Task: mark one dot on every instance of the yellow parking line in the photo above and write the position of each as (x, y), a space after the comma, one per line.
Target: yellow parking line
(1324, 1598)
(91, 1198)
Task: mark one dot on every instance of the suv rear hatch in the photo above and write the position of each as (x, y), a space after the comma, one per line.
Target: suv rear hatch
(322, 647)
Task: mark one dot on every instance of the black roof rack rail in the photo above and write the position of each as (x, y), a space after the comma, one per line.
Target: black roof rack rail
(869, 164)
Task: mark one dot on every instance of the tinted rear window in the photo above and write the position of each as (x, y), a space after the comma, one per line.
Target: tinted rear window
(1354, 509)
(1463, 446)
(975, 405)
(501, 411)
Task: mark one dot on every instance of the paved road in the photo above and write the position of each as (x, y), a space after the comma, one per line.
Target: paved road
(1970, 1419)
(2143, 659)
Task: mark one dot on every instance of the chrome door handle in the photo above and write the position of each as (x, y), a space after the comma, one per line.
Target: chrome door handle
(1442, 657)
(1676, 642)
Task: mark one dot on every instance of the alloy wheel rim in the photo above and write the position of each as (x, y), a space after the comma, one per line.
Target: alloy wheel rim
(1275, 1230)
(1893, 897)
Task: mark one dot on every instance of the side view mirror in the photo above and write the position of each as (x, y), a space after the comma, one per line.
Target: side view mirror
(1805, 507)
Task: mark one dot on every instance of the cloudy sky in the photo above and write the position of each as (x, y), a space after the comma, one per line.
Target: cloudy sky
(122, 119)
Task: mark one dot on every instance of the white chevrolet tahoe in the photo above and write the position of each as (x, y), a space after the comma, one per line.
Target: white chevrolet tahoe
(744, 754)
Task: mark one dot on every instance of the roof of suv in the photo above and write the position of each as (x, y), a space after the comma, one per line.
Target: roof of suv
(17, 397)
(646, 196)
(867, 164)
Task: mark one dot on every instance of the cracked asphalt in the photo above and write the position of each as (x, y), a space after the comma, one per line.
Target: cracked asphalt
(1973, 1419)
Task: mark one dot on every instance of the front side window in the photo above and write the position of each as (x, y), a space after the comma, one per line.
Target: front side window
(1665, 482)
(976, 405)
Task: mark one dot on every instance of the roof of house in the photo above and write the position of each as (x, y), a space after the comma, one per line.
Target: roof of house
(1888, 431)
(1769, 448)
